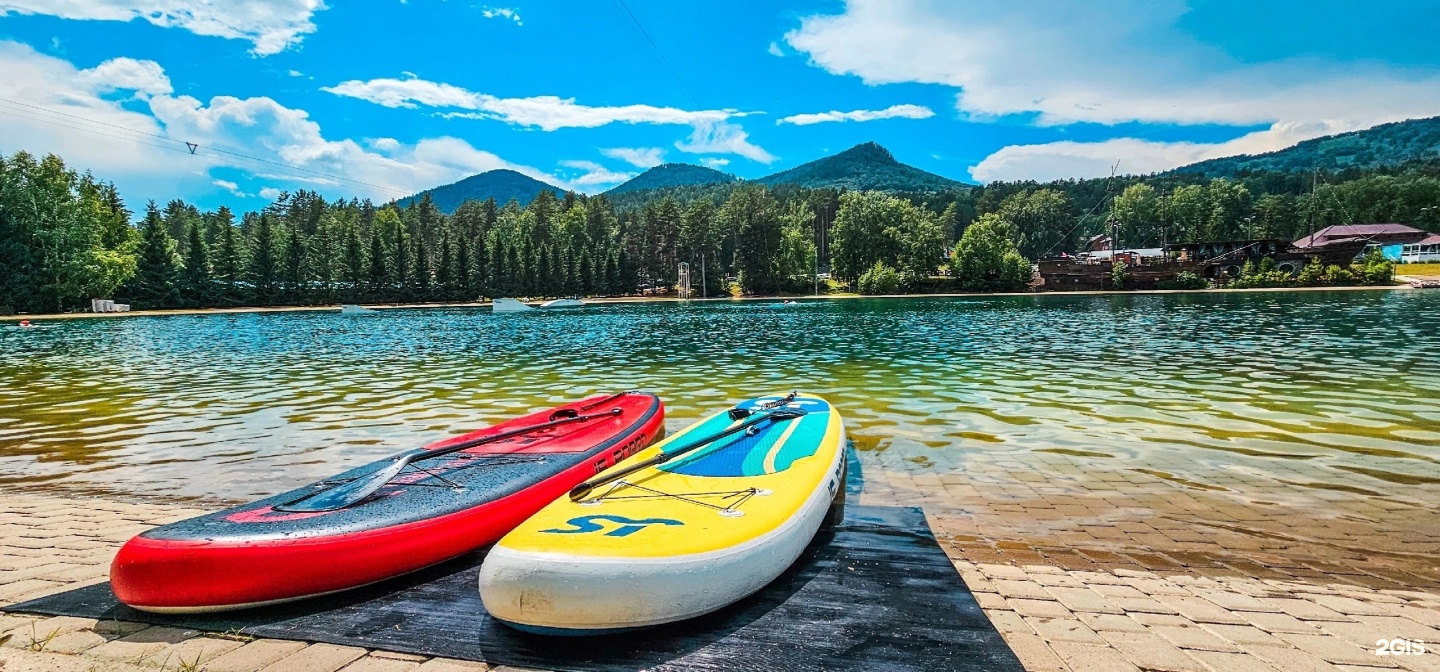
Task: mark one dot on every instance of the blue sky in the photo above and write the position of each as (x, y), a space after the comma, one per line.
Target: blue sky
(380, 99)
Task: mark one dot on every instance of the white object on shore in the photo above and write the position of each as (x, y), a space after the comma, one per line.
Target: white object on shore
(108, 306)
(507, 305)
(562, 303)
(352, 309)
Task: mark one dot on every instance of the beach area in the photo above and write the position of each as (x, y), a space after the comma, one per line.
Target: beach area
(1116, 492)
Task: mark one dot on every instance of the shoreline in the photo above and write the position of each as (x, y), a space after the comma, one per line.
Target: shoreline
(671, 299)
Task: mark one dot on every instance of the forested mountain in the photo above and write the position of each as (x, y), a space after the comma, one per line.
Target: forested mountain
(672, 175)
(501, 185)
(1377, 147)
(863, 167)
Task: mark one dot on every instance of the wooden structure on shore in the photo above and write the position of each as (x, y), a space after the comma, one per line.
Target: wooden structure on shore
(1217, 261)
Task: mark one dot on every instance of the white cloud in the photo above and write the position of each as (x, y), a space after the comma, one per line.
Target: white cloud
(640, 157)
(144, 78)
(723, 138)
(296, 73)
(715, 161)
(231, 187)
(94, 137)
(1044, 60)
(502, 13)
(270, 193)
(775, 50)
(1058, 160)
(549, 113)
(271, 26)
(712, 133)
(892, 112)
(595, 174)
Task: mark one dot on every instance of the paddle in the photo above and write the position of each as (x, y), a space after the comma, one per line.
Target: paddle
(353, 492)
(580, 491)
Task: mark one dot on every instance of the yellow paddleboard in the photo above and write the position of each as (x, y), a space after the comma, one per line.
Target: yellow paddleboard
(679, 539)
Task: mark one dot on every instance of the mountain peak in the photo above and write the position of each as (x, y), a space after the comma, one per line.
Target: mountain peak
(870, 152)
(672, 175)
(862, 167)
(501, 184)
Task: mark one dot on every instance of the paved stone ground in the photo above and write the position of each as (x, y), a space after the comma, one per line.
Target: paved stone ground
(1135, 569)
(1112, 571)
(50, 544)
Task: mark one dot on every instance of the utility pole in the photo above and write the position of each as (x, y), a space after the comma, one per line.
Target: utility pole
(703, 292)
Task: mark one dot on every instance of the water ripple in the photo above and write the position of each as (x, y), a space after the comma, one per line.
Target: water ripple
(1327, 391)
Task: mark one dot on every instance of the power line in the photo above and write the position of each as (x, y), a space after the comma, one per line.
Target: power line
(179, 145)
(620, 4)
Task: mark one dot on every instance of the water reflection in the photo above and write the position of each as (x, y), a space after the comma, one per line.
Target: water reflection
(1326, 390)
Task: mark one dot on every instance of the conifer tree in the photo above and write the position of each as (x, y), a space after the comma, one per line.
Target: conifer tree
(378, 273)
(156, 271)
(263, 265)
(445, 269)
(464, 271)
(197, 268)
(354, 262)
(481, 286)
(544, 282)
(227, 265)
(421, 281)
(294, 266)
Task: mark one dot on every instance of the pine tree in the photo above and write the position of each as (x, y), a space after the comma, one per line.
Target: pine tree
(498, 268)
(512, 270)
(116, 231)
(586, 273)
(612, 276)
(445, 270)
(227, 266)
(354, 263)
(421, 281)
(295, 267)
(155, 276)
(545, 280)
(481, 286)
(263, 265)
(197, 269)
(378, 273)
(464, 273)
(400, 261)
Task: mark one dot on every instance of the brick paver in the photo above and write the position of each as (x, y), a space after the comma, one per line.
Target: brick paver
(1140, 592)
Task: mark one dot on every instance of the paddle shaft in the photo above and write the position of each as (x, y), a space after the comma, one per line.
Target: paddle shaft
(463, 445)
(580, 491)
(353, 492)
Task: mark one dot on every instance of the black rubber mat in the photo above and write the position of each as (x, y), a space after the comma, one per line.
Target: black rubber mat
(878, 594)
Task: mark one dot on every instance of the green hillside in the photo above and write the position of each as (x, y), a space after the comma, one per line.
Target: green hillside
(862, 167)
(1377, 147)
(672, 175)
(502, 185)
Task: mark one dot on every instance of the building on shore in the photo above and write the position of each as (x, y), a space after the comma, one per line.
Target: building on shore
(1424, 251)
(1215, 260)
(1371, 234)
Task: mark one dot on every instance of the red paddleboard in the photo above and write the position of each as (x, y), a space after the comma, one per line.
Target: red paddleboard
(274, 551)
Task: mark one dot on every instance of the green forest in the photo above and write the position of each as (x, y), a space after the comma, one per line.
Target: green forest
(67, 237)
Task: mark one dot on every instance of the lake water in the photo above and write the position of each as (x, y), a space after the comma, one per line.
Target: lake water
(1330, 390)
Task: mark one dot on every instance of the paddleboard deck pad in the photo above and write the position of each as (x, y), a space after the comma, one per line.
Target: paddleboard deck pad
(437, 509)
(878, 595)
(685, 537)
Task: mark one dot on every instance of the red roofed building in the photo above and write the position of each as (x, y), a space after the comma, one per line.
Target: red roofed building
(1376, 234)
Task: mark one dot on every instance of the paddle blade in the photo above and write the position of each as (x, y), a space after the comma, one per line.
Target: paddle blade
(348, 494)
(581, 491)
